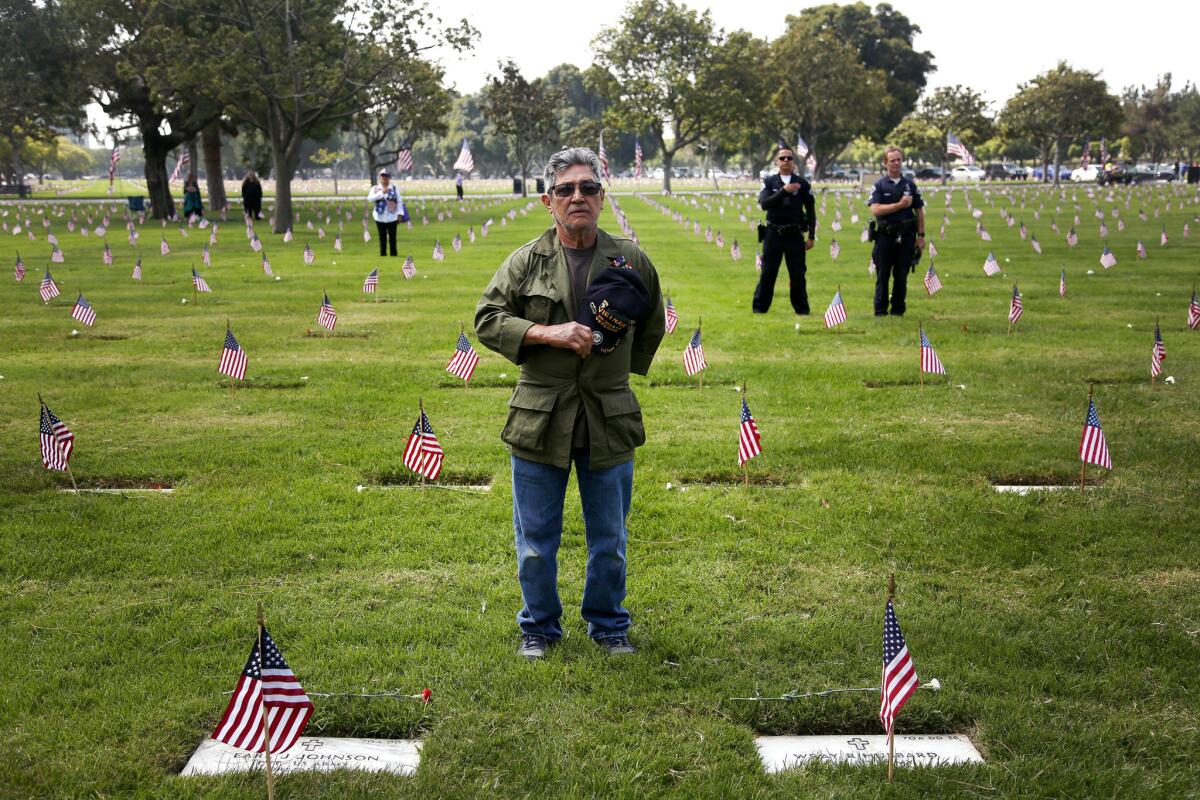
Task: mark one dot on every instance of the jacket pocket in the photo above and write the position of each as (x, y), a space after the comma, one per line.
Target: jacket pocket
(528, 417)
(539, 308)
(622, 420)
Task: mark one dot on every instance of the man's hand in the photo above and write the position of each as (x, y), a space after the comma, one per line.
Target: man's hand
(791, 188)
(568, 336)
(808, 244)
(904, 202)
(920, 242)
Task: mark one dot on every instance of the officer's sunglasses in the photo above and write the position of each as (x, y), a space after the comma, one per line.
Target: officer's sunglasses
(786, 158)
(586, 188)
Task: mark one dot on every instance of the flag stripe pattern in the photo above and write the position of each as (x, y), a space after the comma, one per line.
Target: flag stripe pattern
(57, 441)
(464, 360)
(1194, 312)
(836, 313)
(933, 284)
(954, 147)
(673, 316)
(49, 289)
(200, 284)
(929, 357)
(83, 311)
(372, 281)
(1159, 354)
(693, 355)
(465, 162)
(233, 358)
(1093, 447)
(268, 681)
(990, 265)
(326, 317)
(749, 442)
(899, 674)
(423, 453)
(1016, 308)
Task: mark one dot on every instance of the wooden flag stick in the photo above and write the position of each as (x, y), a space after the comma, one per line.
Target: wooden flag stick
(266, 725)
(462, 330)
(1153, 377)
(232, 380)
(193, 283)
(745, 468)
(920, 359)
(421, 429)
(699, 325)
(892, 727)
(1083, 463)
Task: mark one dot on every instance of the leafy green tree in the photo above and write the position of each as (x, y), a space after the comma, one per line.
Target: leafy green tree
(958, 110)
(883, 39)
(1059, 106)
(330, 158)
(1148, 114)
(413, 103)
(524, 112)
(671, 74)
(1185, 123)
(920, 141)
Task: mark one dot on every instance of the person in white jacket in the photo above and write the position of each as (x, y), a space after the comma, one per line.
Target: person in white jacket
(387, 211)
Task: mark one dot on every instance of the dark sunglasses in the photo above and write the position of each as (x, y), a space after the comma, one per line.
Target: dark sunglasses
(786, 158)
(587, 188)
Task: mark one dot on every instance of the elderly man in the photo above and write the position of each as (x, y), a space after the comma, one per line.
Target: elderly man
(578, 310)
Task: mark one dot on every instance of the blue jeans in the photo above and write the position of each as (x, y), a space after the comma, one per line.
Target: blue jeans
(539, 491)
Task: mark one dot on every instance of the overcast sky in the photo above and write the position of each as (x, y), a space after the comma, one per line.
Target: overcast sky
(1129, 43)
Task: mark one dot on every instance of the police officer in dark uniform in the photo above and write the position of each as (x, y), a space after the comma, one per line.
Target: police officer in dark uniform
(791, 213)
(899, 232)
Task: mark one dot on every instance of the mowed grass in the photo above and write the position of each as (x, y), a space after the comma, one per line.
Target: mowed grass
(1064, 629)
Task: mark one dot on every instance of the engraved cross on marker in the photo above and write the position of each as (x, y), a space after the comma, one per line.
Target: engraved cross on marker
(859, 744)
(310, 745)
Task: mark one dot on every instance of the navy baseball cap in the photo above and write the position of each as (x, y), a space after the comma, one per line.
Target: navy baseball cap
(613, 302)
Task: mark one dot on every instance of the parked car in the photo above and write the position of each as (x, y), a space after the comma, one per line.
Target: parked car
(967, 172)
(929, 174)
(1064, 173)
(1089, 174)
(1166, 172)
(1004, 172)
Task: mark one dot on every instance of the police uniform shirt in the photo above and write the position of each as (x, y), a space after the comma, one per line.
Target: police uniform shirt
(887, 191)
(790, 209)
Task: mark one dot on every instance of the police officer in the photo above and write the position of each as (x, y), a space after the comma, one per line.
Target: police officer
(900, 232)
(791, 213)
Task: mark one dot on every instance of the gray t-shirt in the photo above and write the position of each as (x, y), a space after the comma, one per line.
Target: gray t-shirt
(578, 263)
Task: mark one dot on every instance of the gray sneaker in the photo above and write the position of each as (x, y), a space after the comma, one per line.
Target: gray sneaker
(616, 645)
(533, 646)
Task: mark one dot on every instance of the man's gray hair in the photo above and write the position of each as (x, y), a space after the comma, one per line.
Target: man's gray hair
(569, 158)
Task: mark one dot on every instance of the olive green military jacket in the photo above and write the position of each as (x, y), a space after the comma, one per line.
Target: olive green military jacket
(532, 287)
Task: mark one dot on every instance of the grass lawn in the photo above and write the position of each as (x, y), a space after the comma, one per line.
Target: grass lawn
(1064, 629)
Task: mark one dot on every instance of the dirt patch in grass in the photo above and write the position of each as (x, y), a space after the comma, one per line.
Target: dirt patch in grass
(1112, 380)
(478, 383)
(116, 483)
(823, 332)
(716, 479)
(474, 480)
(893, 384)
(104, 337)
(1042, 479)
(265, 383)
(311, 334)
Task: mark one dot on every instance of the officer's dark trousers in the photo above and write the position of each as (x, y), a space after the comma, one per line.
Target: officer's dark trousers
(775, 249)
(387, 236)
(892, 260)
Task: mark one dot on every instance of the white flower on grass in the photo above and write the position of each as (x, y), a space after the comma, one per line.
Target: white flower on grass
(359, 488)
(1007, 260)
(934, 684)
(1091, 272)
(670, 486)
(1168, 379)
(1128, 324)
(962, 386)
(797, 326)
(278, 277)
(303, 377)
(183, 301)
(74, 333)
(503, 374)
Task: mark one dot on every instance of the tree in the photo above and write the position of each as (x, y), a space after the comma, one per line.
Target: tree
(838, 98)
(400, 111)
(920, 141)
(330, 158)
(40, 78)
(1185, 123)
(1148, 112)
(1060, 105)
(883, 40)
(669, 70)
(522, 111)
(958, 110)
(298, 68)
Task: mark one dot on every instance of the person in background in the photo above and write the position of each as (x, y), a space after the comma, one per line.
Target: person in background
(791, 213)
(387, 212)
(458, 185)
(900, 219)
(252, 195)
(192, 204)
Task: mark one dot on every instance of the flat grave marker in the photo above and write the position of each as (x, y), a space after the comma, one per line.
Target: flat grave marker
(310, 754)
(779, 753)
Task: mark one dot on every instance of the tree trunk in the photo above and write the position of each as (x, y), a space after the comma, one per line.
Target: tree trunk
(193, 158)
(668, 156)
(211, 141)
(284, 167)
(1056, 161)
(155, 149)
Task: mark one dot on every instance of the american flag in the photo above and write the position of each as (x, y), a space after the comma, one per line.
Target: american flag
(749, 442)
(206, 257)
(801, 147)
(1086, 157)
(48, 289)
(113, 158)
(326, 317)
(83, 311)
(1062, 283)
(637, 157)
(57, 441)
(164, 248)
(1015, 308)
(757, 260)
(929, 358)
(266, 266)
(956, 148)
(1072, 239)
(288, 235)
(811, 163)
(693, 355)
(1103, 231)
(404, 158)
(19, 269)
(200, 284)
(268, 681)
(179, 165)
(309, 255)
(372, 281)
(899, 675)
(673, 315)
(990, 265)
(735, 250)
(1035, 244)
(456, 242)
(1093, 447)
(1141, 249)
(465, 359)
(137, 269)
(835, 250)
(1194, 312)
(1107, 259)
(1159, 354)
(56, 255)
(464, 163)
(836, 313)
(1162, 241)
(438, 253)
(408, 268)
(1103, 151)
(233, 358)
(107, 257)
(337, 243)
(255, 243)
(423, 454)
(933, 284)
(603, 155)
